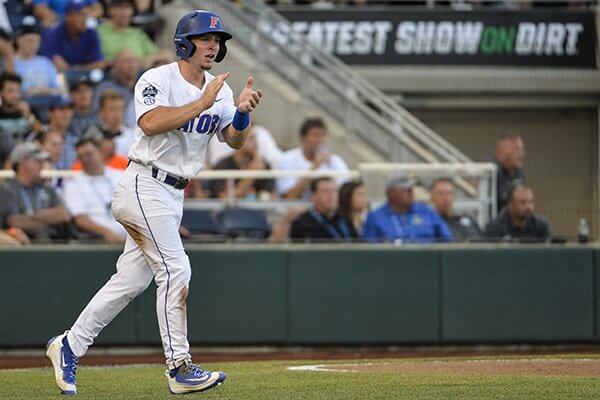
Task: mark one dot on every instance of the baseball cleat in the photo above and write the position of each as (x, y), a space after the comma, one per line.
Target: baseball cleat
(64, 363)
(190, 378)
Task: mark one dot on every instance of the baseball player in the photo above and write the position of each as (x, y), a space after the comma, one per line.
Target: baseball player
(178, 107)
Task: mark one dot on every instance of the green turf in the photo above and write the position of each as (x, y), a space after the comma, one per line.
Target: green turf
(271, 380)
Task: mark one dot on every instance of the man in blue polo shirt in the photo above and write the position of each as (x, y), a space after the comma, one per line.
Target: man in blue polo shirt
(404, 220)
(71, 45)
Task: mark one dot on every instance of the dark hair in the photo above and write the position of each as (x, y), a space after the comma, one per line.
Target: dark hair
(311, 123)
(9, 77)
(513, 188)
(110, 94)
(314, 184)
(345, 198)
(440, 180)
(507, 136)
(43, 135)
(87, 139)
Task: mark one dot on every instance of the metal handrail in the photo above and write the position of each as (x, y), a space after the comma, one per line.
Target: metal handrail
(358, 102)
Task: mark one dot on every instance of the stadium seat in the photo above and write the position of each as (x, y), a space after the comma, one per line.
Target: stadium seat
(246, 223)
(202, 222)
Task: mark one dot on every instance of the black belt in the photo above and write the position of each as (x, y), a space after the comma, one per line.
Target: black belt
(177, 183)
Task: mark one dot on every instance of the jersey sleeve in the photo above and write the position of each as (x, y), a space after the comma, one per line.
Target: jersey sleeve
(228, 110)
(150, 92)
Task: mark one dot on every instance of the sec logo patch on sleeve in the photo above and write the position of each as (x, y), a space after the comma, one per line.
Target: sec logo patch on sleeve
(149, 94)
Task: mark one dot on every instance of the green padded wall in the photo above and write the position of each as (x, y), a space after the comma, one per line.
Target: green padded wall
(363, 296)
(517, 295)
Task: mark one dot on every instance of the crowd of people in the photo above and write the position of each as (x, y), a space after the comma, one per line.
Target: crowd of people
(60, 112)
(457, 4)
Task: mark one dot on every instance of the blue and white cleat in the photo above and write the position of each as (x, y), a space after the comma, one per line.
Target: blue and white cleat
(64, 363)
(190, 378)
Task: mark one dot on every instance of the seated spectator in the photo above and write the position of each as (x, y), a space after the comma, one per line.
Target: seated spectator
(27, 203)
(268, 149)
(84, 116)
(517, 220)
(37, 72)
(245, 158)
(123, 76)
(402, 219)
(311, 155)
(117, 34)
(509, 157)
(107, 150)
(71, 45)
(322, 222)
(353, 204)
(52, 143)
(88, 195)
(59, 120)
(7, 52)
(111, 124)
(53, 11)
(463, 227)
(16, 119)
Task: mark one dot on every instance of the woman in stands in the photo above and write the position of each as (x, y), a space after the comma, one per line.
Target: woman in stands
(353, 203)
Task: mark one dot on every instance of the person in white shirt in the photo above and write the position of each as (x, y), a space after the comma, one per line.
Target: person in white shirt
(311, 155)
(268, 149)
(88, 195)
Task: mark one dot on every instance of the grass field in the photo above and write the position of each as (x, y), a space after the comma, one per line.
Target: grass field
(272, 380)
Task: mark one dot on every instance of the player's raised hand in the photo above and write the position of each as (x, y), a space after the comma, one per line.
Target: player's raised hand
(212, 89)
(249, 98)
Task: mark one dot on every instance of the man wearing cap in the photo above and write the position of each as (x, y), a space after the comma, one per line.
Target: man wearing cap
(59, 120)
(52, 11)
(71, 45)
(82, 92)
(38, 73)
(26, 202)
(403, 220)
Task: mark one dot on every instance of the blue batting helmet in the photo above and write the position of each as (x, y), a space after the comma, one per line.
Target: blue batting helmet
(196, 23)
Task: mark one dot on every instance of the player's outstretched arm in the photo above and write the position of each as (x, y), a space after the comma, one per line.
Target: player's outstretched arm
(164, 119)
(236, 133)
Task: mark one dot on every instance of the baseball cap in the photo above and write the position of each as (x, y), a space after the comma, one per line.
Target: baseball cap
(28, 25)
(75, 5)
(28, 150)
(401, 180)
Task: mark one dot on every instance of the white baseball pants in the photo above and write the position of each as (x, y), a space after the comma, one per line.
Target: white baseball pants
(151, 213)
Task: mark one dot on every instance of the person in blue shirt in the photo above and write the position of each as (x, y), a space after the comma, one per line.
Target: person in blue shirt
(404, 220)
(71, 45)
(52, 11)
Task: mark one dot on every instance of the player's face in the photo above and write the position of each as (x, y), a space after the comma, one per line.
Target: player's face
(207, 48)
(442, 197)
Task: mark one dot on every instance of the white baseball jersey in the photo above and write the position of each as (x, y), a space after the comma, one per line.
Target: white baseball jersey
(181, 151)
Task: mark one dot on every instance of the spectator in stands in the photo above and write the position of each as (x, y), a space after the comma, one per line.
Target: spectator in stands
(7, 52)
(53, 11)
(518, 220)
(52, 143)
(463, 227)
(311, 155)
(112, 112)
(59, 120)
(247, 158)
(322, 222)
(16, 119)
(353, 204)
(509, 157)
(27, 203)
(84, 116)
(268, 149)
(37, 72)
(107, 150)
(71, 45)
(402, 219)
(124, 73)
(88, 196)
(117, 34)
